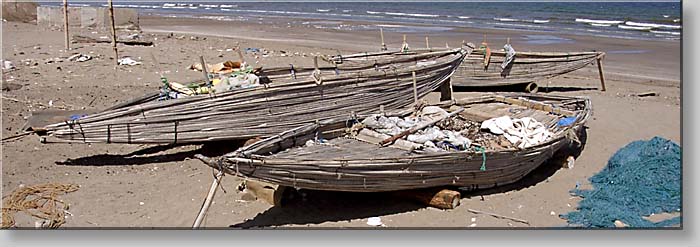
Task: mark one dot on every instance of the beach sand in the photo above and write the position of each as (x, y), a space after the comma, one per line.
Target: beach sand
(151, 186)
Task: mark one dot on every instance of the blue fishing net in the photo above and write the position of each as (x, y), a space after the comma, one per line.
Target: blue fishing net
(641, 179)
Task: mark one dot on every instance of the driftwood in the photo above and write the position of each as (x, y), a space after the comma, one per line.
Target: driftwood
(86, 39)
(437, 198)
(343, 163)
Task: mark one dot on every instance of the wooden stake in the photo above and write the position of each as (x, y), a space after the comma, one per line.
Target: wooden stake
(427, 43)
(65, 23)
(208, 200)
(114, 32)
(415, 88)
(508, 40)
(600, 72)
(381, 33)
(205, 72)
(240, 55)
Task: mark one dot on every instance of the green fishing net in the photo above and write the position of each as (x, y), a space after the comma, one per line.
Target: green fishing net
(641, 179)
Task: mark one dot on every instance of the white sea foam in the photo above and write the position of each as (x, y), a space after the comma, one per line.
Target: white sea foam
(409, 14)
(323, 10)
(600, 25)
(463, 17)
(652, 25)
(666, 32)
(598, 21)
(634, 27)
(540, 21)
(506, 19)
(373, 12)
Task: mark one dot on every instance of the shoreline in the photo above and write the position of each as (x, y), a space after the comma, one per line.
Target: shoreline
(652, 56)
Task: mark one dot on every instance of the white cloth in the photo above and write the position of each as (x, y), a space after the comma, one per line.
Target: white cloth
(523, 132)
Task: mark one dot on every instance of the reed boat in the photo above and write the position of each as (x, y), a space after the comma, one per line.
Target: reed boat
(526, 68)
(285, 98)
(346, 154)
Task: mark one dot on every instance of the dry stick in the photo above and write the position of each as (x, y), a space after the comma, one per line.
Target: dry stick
(427, 43)
(499, 216)
(419, 127)
(208, 200)
(600, 71)
(65, 23)
(240, 55)
(114, 32)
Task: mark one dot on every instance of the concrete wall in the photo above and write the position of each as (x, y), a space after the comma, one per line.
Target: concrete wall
(94, 17)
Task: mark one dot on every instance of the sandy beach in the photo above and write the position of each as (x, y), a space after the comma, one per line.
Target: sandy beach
(155, 186)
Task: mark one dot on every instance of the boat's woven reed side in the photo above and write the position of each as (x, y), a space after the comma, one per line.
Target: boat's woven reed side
(392, 172)
(526, 67)
(286, 103)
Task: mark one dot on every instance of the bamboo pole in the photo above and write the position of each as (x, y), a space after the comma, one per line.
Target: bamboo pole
(208, 199)
(415, 88)
(114, 32)
(65, 24)
(600, 72)
(381, 33)
(204, 70)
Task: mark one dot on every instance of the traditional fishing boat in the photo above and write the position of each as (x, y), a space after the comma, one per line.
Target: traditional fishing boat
(483, 68)
(359, 155)
(281, 98)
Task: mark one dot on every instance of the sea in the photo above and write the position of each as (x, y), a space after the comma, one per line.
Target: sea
(627, 20)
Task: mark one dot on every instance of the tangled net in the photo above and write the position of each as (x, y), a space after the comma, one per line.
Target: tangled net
(39, 201)
(641, 179)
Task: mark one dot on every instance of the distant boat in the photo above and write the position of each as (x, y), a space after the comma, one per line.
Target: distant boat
(526, 69)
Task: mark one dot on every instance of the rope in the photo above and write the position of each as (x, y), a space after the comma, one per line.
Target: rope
(483, 157)
(39, 201)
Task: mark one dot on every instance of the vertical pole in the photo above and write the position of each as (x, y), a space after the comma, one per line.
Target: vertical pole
(205, 72)
(65, 23)
(427, 43)
(381, 33)
(114, 32)
(600, 72)
(240, 55)
(415, 88)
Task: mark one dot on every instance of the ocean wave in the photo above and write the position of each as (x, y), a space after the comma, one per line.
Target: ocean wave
(409, 14)
(666, 32)
(228, 6)
(598, 21)
(506, 19)
(463, 17)
(373, 12)
(599, 25)
(540, 21)
(347, 10)
(634, 27)
(652, 25)
(323, 10)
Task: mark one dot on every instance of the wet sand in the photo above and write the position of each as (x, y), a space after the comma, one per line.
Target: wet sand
(154, 186)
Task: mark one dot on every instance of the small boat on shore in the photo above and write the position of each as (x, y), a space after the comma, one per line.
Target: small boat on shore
(278, 99)
(484, 142)
(483, 68)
